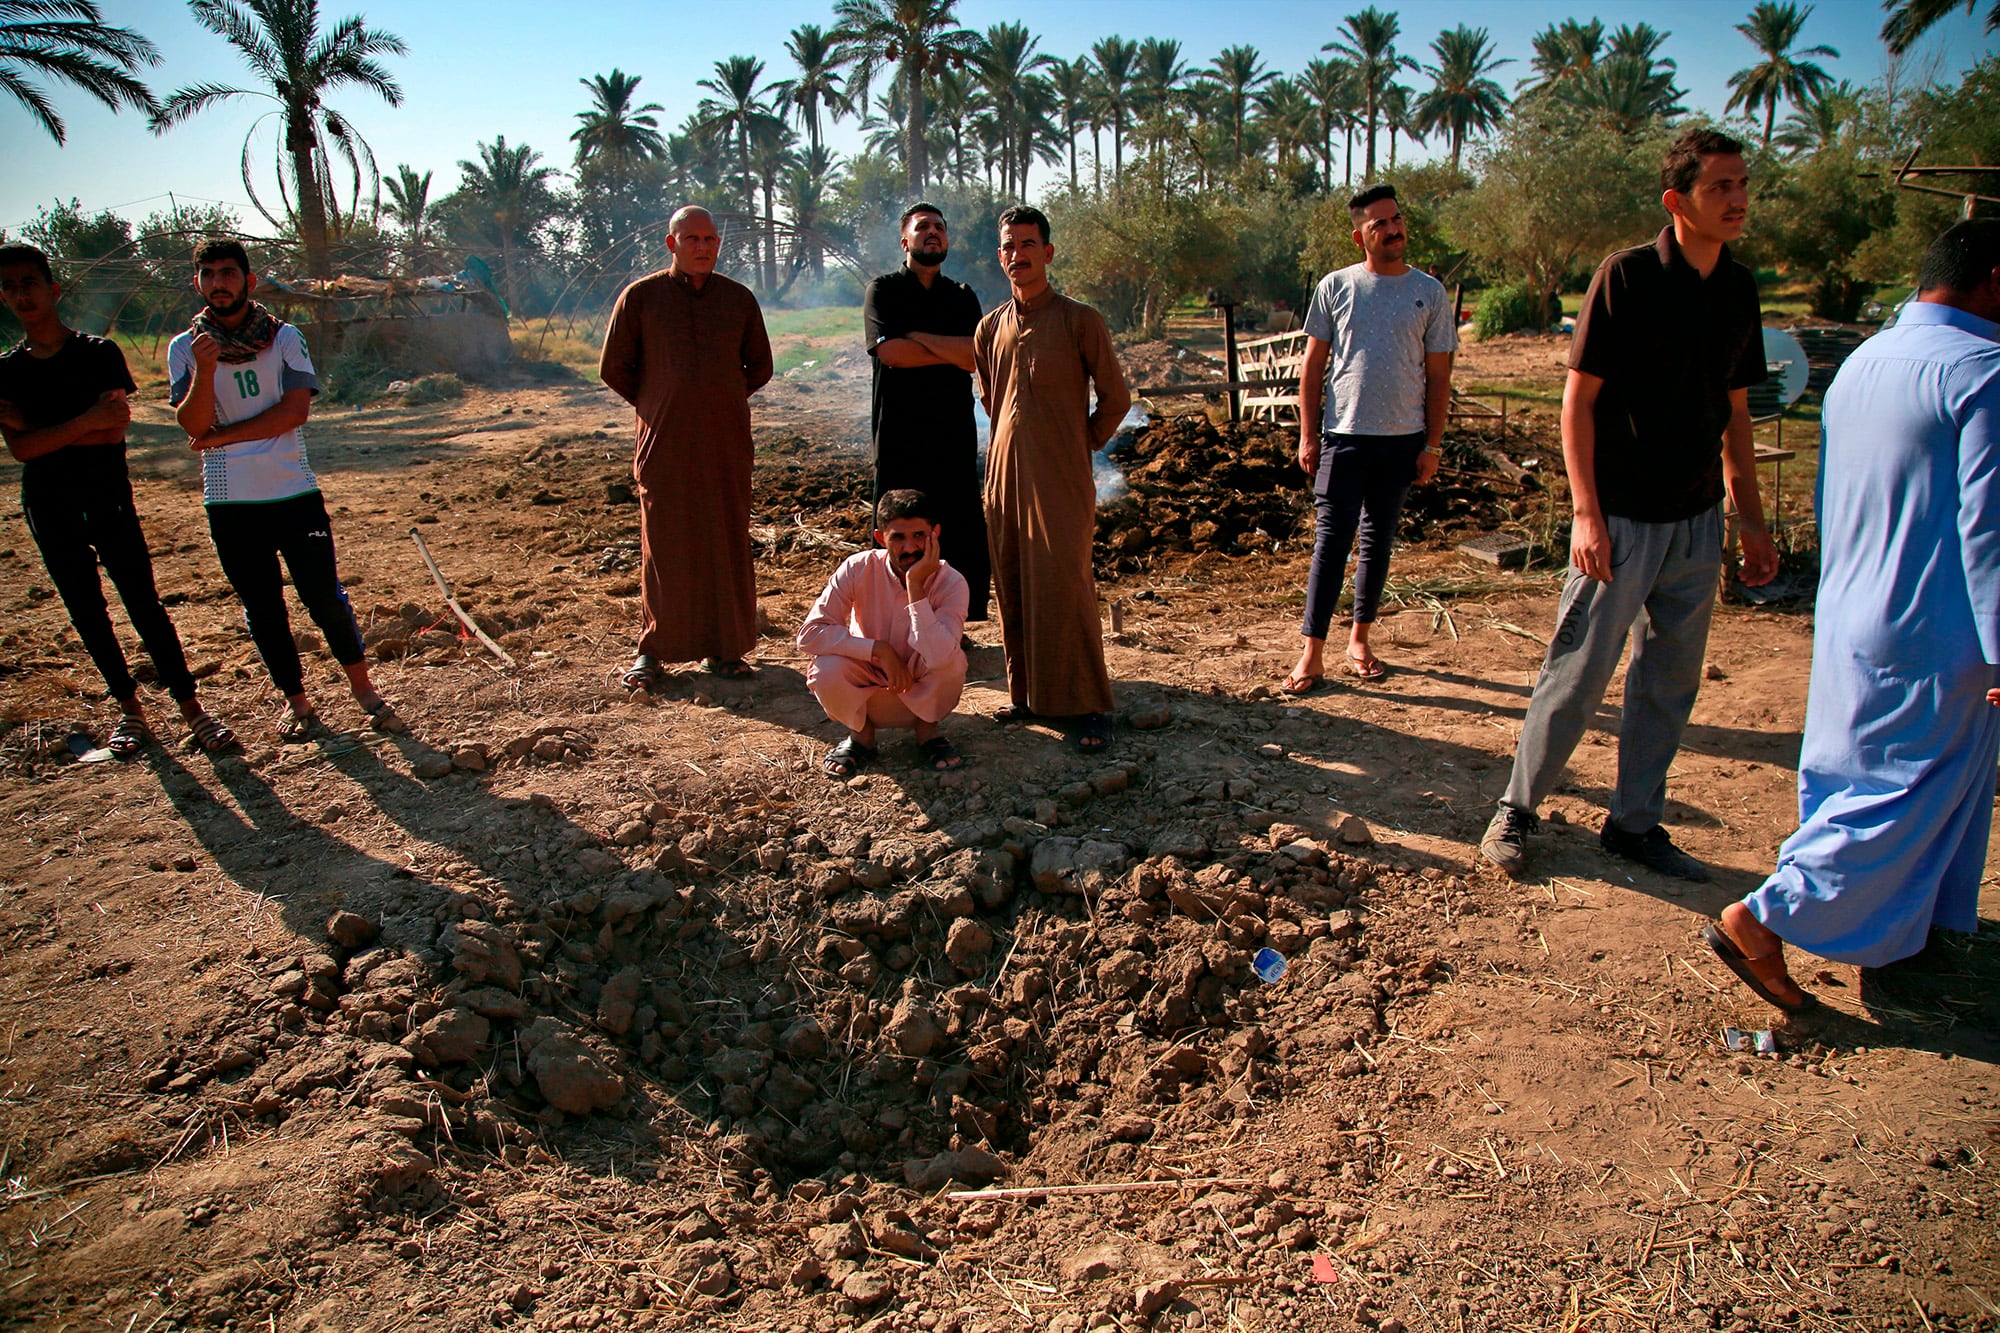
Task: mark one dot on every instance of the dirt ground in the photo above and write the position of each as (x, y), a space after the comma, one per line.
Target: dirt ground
(573, 1011)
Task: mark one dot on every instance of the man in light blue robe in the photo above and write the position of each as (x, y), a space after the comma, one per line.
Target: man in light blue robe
(1896, 773)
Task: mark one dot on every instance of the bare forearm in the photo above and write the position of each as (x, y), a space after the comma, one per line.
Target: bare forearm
(1312, 387)
(196, 413)
(281, 417)
(1437, 408)
(953, 351)
(1739, 470)
(32, 444)
(1579, 437)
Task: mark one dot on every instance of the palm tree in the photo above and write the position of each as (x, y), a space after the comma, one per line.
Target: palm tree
(1238, 72)
(1624, 94)
(1073, 83)
(1823, 121)
(921, 38)
(409, 207)
(1288, 119)
(1397, 118)
(817, 55)
(614, 132)
(1156, 82)
(1772, 28)
(281, 42)
(1913, 18)
(1371, 48)
(1117, 62)
(508, 190)
(1005, 70)
(1564, 52)
(771, 156)
(806, 186)
(1639, 40)
(1330, 85)
(737, 112)
(67, 41)
(952, 98)
(1462, 100)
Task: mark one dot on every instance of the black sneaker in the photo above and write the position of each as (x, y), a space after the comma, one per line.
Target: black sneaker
(1505, 841)
(1654, 850)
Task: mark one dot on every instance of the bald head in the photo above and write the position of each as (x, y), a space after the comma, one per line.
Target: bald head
(694, 244)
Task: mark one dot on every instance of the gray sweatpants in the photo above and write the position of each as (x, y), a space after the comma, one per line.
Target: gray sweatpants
(1662, 590)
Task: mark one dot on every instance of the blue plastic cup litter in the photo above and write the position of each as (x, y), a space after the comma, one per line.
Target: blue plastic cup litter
(1269, 965)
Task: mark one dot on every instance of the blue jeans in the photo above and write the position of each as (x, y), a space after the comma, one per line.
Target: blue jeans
(1361, 483)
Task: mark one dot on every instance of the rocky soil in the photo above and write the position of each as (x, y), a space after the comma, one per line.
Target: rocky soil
(578, 1011)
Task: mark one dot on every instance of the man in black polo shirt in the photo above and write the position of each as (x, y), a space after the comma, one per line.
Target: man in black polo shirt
(919, 327)
(63, 413)
(1656, 429)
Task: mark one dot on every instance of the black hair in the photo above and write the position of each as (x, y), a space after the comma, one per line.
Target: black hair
(919, 207)
(1962, 258)
(216, 249)
(1374, 194)
(1026, 215)
(20, 253)
(902, 503)
(1682, 166)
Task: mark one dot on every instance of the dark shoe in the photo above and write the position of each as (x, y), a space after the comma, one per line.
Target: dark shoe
(1506, 838)
(846, 759)
(1654, 850)
(1093, 733)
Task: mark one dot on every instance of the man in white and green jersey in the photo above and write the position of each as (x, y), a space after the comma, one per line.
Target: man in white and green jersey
(242, 386)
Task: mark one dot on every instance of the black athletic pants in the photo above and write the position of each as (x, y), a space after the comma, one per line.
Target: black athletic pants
(1362, 482)
(76, 527)
(249, 539)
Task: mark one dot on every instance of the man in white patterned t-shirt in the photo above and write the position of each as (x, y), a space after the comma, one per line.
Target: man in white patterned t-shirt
(242, 386)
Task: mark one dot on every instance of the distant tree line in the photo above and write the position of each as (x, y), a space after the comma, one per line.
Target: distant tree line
(1165, 176)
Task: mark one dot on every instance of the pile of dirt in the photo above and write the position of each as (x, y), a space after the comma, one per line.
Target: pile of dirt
(1195, 487)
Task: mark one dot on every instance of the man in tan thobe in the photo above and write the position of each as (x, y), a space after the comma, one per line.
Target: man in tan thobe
(1038, 356)
(687, 348)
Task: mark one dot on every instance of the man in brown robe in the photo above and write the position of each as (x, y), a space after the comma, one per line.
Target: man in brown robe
(687, 348)
(1039, 355)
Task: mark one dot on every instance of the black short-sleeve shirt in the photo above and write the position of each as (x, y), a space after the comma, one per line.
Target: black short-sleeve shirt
(920, 409)
(51, 390)
(1669, 345)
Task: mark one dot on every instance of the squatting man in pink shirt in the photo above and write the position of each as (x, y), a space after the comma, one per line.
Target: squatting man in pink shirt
(884, 639)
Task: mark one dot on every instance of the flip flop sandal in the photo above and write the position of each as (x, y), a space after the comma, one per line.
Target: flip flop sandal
(847, 758)
(1300, 686)
(941, 754)
(1368, 669)
(1013, 713)
(643, 674)
(734, 668)
(1094, 734)
(384, 717)
(210, 735)
(128, 738)
(294, 729)
(1738, 962)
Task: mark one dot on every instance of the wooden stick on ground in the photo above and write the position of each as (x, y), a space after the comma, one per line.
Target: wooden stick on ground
(1115, 1187)
(452, 601)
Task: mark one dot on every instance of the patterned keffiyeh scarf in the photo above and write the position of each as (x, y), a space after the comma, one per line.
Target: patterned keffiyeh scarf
(245, 342)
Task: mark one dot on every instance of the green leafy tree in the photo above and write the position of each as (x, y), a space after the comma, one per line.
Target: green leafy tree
(1397, 104)
(1783, 75)
(1814, 218)
(1141, 248)
(1555, 194)
(298, 65)
(1827, 117)
(1624, 94)
(1369, 45)
(68, 41)
(920, 39)
(1463, 100)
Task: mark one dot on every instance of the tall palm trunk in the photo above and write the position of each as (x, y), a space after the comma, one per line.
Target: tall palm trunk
(312, 207)
(915, 148)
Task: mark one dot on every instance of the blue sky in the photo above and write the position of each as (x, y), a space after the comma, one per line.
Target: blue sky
(511, 67)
